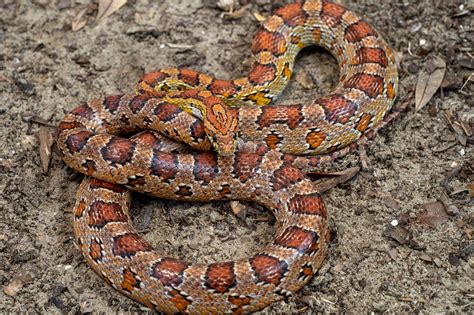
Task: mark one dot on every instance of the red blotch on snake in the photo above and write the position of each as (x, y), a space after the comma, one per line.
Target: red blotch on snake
(169, 271)
(332, 13)
(268, 269)
(127, 245)
(220, 276)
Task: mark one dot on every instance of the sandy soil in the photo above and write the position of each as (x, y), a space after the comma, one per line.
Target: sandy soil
(46, 69)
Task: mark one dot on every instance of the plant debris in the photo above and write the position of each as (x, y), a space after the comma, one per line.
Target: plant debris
(259, 17)
(429, 81)
(326, 181)
(235, 15)
(18, 282)
(108, 7)
(79, 21)
(434, 214)
(45, 142)
(398, 233)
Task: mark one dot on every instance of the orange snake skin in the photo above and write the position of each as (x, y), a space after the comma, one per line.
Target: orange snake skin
(261, 161)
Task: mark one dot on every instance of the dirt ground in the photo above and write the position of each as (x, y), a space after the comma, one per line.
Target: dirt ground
(423, 264)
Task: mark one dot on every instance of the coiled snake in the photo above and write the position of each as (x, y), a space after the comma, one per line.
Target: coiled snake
(258, 161)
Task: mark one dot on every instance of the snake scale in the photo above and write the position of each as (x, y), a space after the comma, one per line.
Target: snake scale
(262, 150)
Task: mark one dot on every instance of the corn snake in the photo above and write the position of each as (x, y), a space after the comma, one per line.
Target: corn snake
(263, 169)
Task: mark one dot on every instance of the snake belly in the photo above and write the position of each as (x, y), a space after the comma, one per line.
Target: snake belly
(89, 140)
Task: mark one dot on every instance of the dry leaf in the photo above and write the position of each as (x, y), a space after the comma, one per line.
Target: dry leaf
(13, 287)
(429, 81)
(332, 179)
(18, 281)
(451, 80)
(79, 21)
(237, 14)
(398, 58)
(456, 126)
(107, 7)
(259, 17)
(45, 142)
(434, 214)
(466, 127)
(470, 189)
(398, 233)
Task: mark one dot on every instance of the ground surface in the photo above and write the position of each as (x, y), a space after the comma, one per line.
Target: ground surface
(46, 69)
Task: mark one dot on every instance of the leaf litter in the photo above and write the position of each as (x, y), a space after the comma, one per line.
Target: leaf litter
(429, 81)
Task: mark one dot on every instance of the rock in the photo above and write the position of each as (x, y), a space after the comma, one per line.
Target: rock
(453, 259)
(426, 257)
(25, 86)
(380, 306)
(452, 210)
(86, 307)
(337, 269)
(58, 303)
(24, 256)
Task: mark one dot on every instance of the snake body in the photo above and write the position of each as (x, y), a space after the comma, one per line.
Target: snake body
(365, 93)
(262, 169)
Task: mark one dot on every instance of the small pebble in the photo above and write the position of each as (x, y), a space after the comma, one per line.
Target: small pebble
(453, 259)
(393, 253)
(380, 306)
(25, 86)
(27, 116)
(438, 262)
(226, 5)
(337, 268)
(415, 28)
(57, 302)
(63, 4)
(452, 210)
(412, 68)
(426, 258)
(24, 256)
(86, 307)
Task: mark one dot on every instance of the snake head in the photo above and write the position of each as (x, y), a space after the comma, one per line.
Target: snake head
(221, 126)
